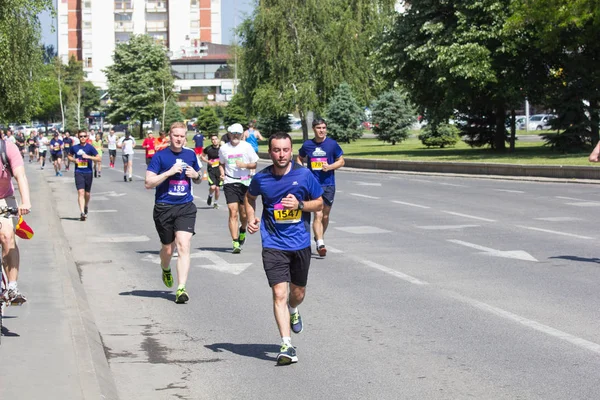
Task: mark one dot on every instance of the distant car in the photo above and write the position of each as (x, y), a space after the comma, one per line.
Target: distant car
(540, 121)
(519, 122)
(367, 125)
(147, 125)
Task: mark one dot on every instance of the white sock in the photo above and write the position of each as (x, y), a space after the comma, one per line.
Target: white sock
(210, 195)
(320, 242)
(12, 285)
(292, 310)
(286, 340)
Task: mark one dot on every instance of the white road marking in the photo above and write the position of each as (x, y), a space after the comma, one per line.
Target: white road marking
(367, 184)
(421, 180)
(102, 211)
(362, 230)
(555, 232)
(333, 249)
(364, 195)
(567, 337)
(393, 272)
(451, 184)
(469, 216)
(119, 238)
(559, 219)
(569, 198)
(218, 264)
(446, 227)
(140, 177)
(585, 204)
(409, 204)
(509, 191)
(516, 254)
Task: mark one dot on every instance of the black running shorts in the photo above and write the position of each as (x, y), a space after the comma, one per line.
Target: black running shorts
(112, 153)
(235, 192)
(170, 218)
(214, 177)
(56, 156)
(83, 181)
(286, 266)
(328, 195)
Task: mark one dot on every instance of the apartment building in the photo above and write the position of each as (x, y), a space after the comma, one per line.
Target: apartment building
(90, 29)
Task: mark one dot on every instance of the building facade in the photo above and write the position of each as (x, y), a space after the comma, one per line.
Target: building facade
(89, 30)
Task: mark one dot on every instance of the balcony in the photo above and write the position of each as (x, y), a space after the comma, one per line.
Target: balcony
(156, 26)
(123, 26)
(156, 6)
(123, 7)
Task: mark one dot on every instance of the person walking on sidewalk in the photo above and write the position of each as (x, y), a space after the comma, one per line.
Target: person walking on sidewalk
(171, 172)
(235, 159)
(289, 194)
(83, 155)
(10, 250)
(210, 156)
(127, 143)
(323, 156)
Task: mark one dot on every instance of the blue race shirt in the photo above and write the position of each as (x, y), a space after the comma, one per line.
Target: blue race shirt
(83, 166)
(285, 229)
(176, 189)
(198, 140)
(316, 153)
(55, 146)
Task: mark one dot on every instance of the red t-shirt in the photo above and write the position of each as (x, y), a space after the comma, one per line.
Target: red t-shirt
(148, 144)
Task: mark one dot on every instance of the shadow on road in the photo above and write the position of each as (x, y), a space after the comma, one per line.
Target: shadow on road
(216, 249)
(70, 218)
(7, 333)
(260, 351)
(576, 258)
(163, 294)
(148, 251)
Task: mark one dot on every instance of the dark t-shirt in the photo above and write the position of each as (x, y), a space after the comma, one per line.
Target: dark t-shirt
(212, 153)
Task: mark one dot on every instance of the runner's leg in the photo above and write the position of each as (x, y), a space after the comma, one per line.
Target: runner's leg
(183, 241)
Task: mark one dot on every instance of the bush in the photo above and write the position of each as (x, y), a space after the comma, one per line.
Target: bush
(573, 139)
(344, 116)
(392, 117)
(441, 135)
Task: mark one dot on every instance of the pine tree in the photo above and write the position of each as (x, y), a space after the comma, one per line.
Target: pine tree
(392, 117)
(208, 122)
(268, 125)
(344, 115)
(172, 113)
(234, 114)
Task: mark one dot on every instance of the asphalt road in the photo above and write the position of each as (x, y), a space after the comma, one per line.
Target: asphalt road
(433, 288)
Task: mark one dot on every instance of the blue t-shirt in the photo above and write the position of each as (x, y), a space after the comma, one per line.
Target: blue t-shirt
(316, 153)
(68, 142)
(285, 229)
(198, 140)
(55, 146)
(83, 166)
(252, 139)
(176, 189)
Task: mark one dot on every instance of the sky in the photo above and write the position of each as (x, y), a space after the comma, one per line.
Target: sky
(228, 7)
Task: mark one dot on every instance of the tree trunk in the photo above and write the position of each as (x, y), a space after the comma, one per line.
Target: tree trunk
(513, 130)
(304, 126)
(500, 134)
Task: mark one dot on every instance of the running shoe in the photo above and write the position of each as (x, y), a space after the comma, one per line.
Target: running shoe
(242, 238)
(85, 210)
(99, 175)
(60, 173)
(322, 250)
(124, 178)
(209, 200)
(56, 173)
(15, 297)
(287, 355)
(167, 277)
(130, 179)
(181, 296)
(95, 174)
(236, 247)
(82, 217)
(296, 322)
(216, 206)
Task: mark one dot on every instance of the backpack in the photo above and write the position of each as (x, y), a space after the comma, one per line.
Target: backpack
(4, 158)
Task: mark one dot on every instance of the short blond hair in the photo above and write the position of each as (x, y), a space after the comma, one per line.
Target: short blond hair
(177, 125)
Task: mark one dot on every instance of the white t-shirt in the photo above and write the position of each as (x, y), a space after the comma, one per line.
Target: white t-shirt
(112, 142)
(127, 144)
(43, 143)
(229, 154)
(76, 140)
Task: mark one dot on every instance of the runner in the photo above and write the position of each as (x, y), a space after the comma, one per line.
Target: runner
(235, 158)
(210, 156)
(67, 144)
(10, 250)
(198, 144)
(20, 137)
(111, 141)
(127, 143)
(42, 149)
(252, 136)
(148, 144)
(82, 155)
(171, 172)
(289, 194)
(32, 144)
(324, 156)
(97, 143)
(162, 141)
(56, 153)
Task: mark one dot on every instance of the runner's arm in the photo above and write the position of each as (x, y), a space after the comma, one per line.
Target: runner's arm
(290, 202)
(21, 178)
(153, 179)
(339, 163)
(250, 205)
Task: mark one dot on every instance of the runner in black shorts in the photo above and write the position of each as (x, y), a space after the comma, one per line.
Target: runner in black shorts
(210, 155)
(83, 155)
(289, 194)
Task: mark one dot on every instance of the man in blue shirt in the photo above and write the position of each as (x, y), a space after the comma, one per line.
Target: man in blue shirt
(171, 172)
(83, 155)
(289, 194)
(56, 145)
(198, 144)
(322, 156)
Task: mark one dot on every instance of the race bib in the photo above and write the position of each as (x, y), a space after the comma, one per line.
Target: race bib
(282, 216)
(178, 187)
(67, 145)
(151, 152)
(56, 147)
(82, 163)
(231, 159)
(214, 163)
(316, 164)
(246, 179)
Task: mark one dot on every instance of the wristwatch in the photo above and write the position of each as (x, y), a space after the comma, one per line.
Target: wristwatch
(300, 205)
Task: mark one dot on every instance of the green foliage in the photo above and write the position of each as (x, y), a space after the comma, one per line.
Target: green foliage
(442, 135)
(268, 125)
(139, 80)
(48, 109)
(234, 114)
(344, 115)
(172, 113)
(190, 111)
(479, 129)
(208, 121)
(392, 117)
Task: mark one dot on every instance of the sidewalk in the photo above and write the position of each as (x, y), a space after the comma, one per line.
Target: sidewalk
(51, 348)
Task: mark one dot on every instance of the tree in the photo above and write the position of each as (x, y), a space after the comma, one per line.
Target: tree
(392, 117)
(139, 80)
(269, 124)
(294, 54)
(21, 57)
(49, 108)
(234, 113)
(172, 113)
(344, 115)
(208, 122)
(48, 53)
(441, 135)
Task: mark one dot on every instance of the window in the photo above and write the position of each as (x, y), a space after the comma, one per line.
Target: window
(87, 62)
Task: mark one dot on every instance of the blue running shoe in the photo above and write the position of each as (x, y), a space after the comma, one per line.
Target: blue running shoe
(296, 322)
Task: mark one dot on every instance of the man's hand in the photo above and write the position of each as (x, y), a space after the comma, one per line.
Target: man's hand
(240, 164)
(325, 166)
(253, 226)
(191, 173)
(24, 208)
(290, 202)
(175, 169)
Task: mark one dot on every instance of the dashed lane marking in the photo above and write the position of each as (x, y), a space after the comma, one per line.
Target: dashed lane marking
(365, 196)
(362, 230)
(446, 227)
(469, 216)
(409, 204)
(555, 232)
(509, 191)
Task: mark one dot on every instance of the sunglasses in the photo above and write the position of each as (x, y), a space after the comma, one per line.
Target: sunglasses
(83, 136)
